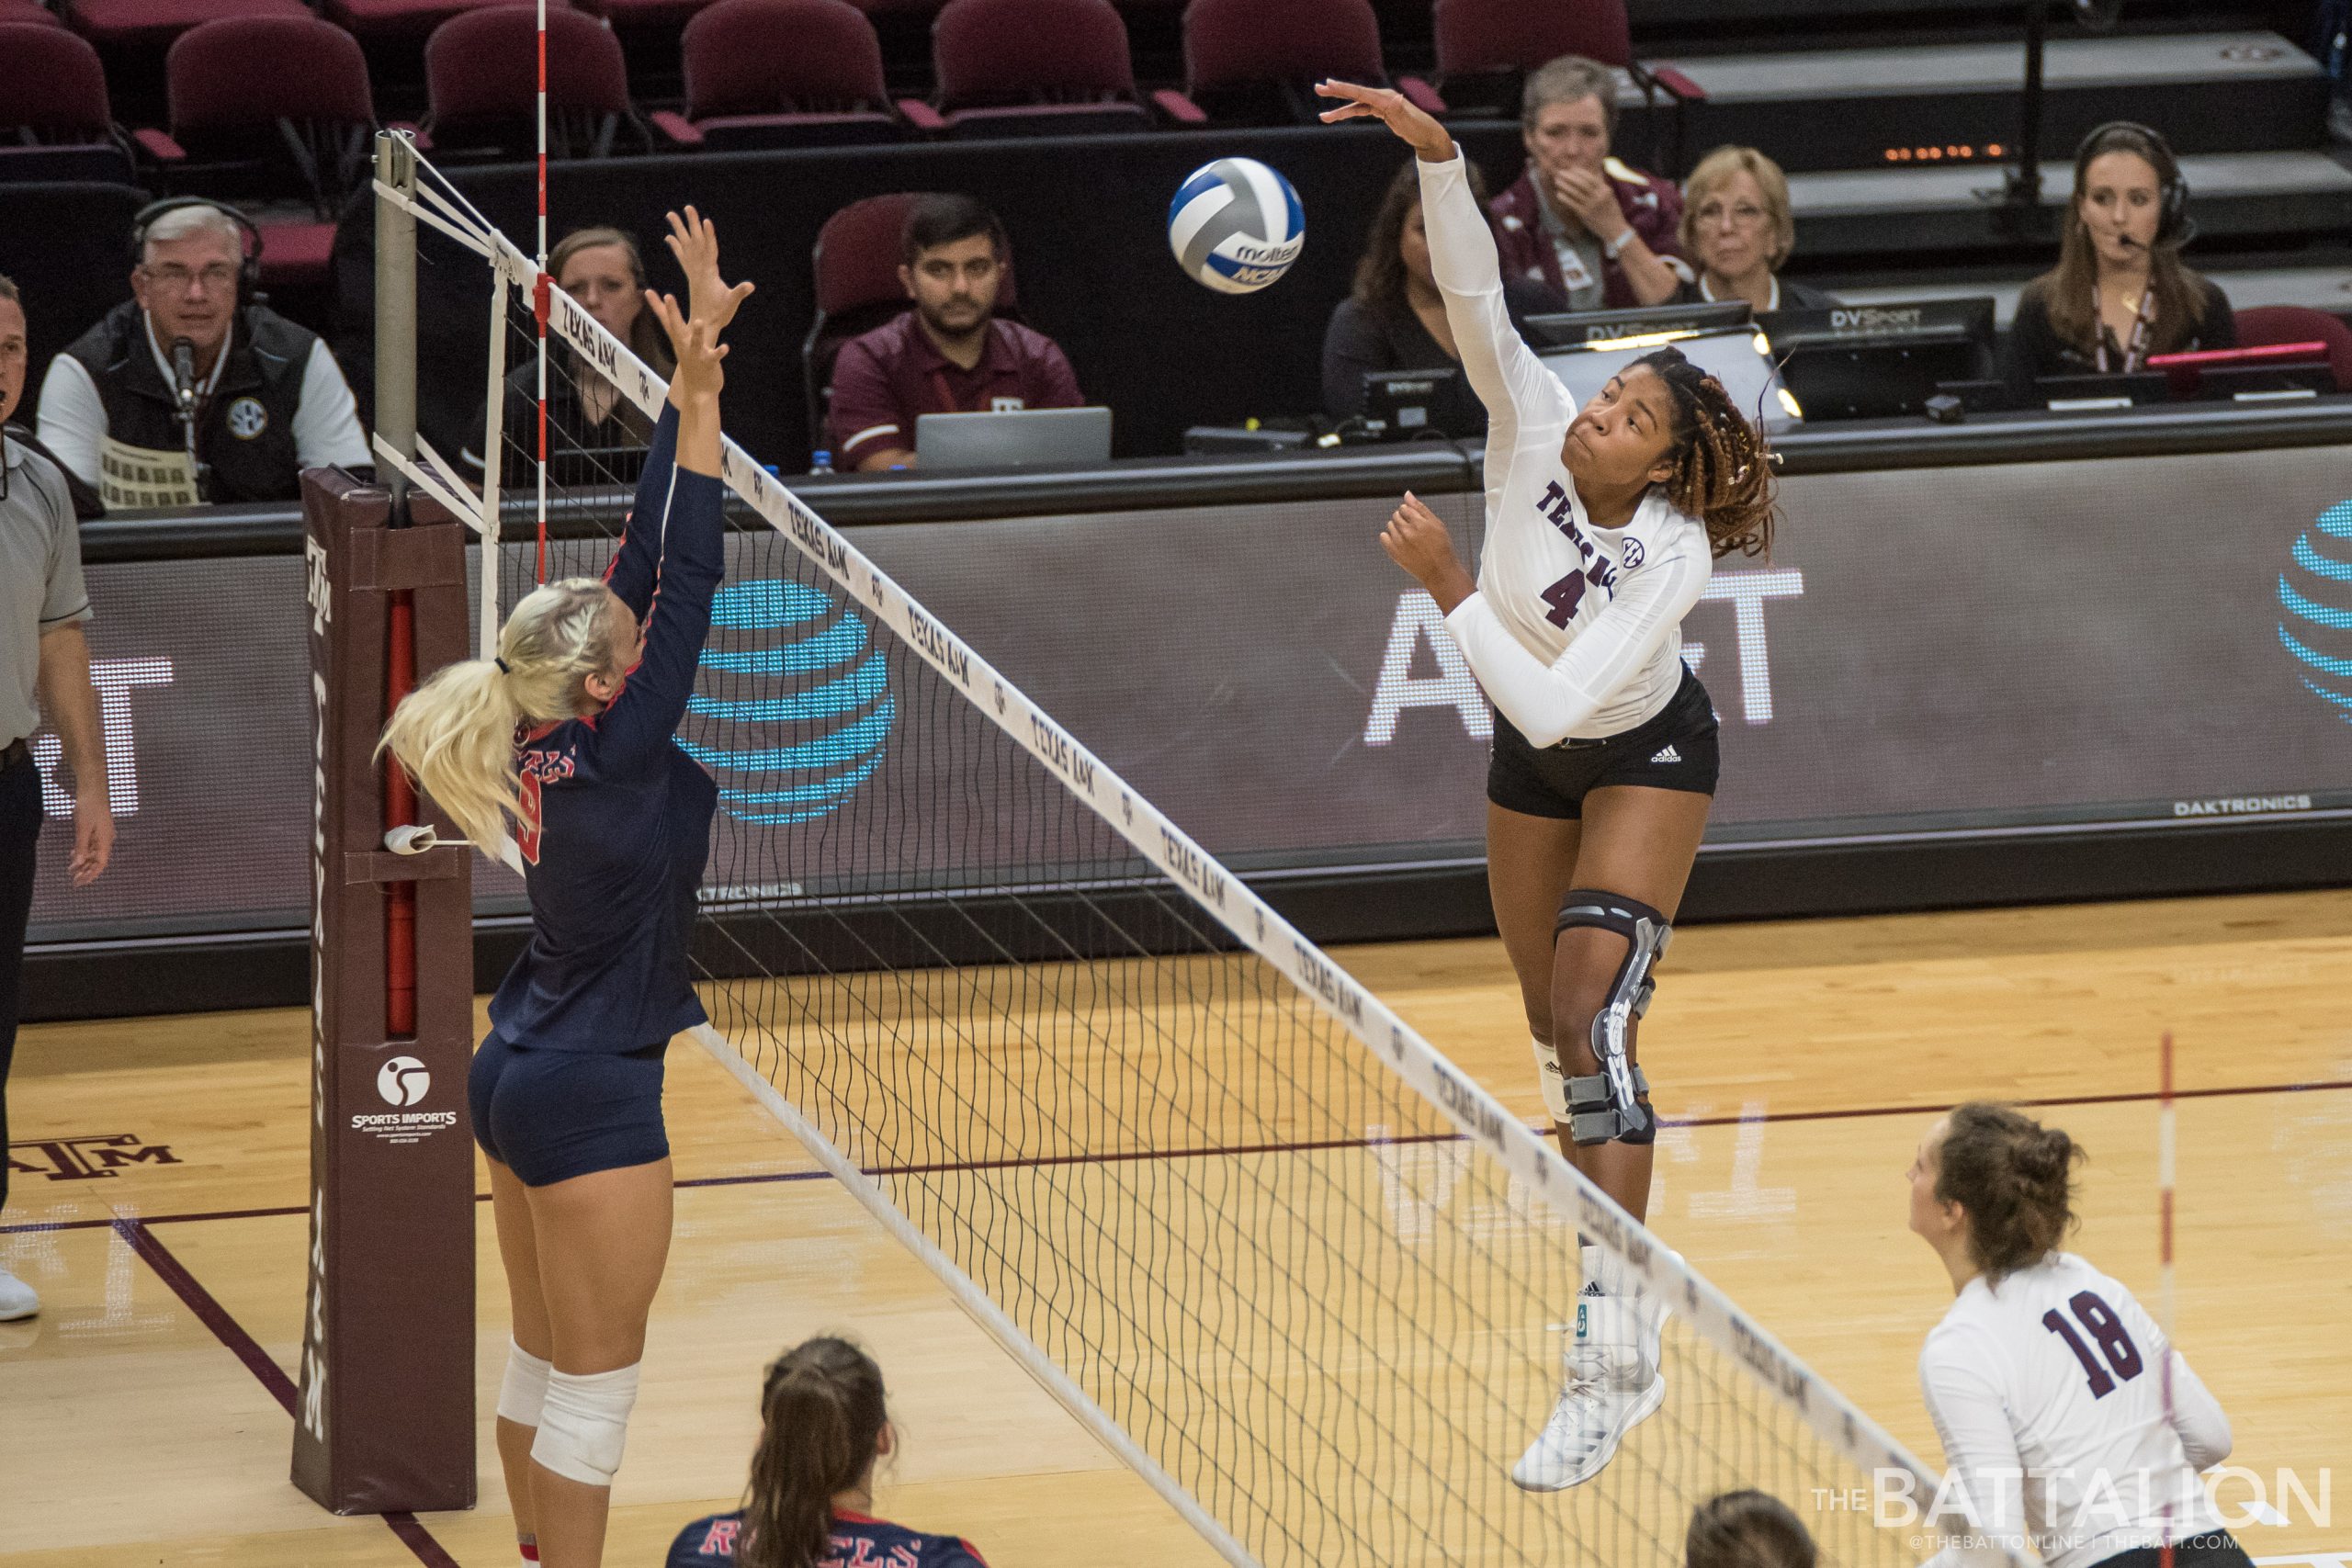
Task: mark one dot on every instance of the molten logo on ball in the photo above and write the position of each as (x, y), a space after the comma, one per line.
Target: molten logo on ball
(404, 1080)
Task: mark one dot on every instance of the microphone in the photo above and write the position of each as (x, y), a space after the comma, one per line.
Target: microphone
(183, 373)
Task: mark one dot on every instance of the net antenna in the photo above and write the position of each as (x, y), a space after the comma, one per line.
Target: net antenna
(1260, 1238)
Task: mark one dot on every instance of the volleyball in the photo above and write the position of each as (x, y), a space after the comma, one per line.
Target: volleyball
(1236, 225)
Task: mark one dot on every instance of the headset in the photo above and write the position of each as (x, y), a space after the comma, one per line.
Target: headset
(249, 291)
(2173, 224)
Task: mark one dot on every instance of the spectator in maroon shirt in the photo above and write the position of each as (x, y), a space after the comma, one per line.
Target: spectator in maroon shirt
(1603, 233)
(949, 354)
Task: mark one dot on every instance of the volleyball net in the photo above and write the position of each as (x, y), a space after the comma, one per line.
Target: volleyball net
(1273, 1250)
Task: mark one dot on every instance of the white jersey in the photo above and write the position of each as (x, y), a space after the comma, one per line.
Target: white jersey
(1574, 631)
(2048, 1392)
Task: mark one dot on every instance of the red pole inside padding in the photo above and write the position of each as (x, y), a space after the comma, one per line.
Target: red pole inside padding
(399, 809)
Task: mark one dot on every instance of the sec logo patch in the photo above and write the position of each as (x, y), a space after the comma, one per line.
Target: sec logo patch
(1634, 554)
(247, 418)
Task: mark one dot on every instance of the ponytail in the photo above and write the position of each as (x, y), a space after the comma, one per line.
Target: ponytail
(2015, 1179)
(1722, 470)
(455, 734)
(823, 1412)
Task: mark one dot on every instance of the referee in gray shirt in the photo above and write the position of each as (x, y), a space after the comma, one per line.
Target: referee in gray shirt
(44, 668)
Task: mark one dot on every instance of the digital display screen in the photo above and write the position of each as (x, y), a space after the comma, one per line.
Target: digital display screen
(2004, 649)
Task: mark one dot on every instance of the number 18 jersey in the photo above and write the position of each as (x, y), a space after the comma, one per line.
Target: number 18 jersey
(2048, 1392)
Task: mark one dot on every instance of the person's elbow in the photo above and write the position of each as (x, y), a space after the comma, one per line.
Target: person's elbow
(1554, 720)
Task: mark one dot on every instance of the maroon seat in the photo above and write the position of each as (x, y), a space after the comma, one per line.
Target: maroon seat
(409, 18)
(2265, 324)
(1485, 49)
(1038, 67)
(482, 83)
(13, 11)
(56, 121)
(856, 263)
(645, 14)
(158, 21)
(1261, 58)
(782, 74)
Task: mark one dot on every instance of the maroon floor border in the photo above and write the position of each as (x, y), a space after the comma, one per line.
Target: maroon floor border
(768, 1177)
(246, 1349)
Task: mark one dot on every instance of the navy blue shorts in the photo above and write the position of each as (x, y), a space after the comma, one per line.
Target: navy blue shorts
(549, 1116)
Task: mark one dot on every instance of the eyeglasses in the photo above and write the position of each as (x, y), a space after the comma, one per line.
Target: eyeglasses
(1743, 215)
(174, 277)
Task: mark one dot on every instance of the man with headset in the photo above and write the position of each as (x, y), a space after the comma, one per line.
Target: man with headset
(193, 389)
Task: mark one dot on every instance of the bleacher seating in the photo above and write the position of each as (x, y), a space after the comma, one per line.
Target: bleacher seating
(56, 121)
(482, 85)
(782, 74)
(1034, 66)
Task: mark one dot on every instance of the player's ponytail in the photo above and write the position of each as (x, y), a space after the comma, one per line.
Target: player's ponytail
(1723, 469)
(823, 1411)
(1746, 1529)
(455, 734)
(2015, 1179)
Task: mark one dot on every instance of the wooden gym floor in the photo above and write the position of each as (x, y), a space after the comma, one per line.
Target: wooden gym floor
(143, 1414)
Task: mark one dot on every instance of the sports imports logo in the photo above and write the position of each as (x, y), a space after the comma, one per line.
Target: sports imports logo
(2315, 608)
(404, 1080)
(794, 711)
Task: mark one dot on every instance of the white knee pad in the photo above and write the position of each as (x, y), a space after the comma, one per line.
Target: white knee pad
(1553, 1081)
(585, 1424)
(525, 1389)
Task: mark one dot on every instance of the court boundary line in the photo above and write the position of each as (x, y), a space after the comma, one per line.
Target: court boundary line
(769, 1178)
(233, 1336)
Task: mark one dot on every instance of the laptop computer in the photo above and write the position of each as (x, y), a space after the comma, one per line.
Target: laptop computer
(1066, 438)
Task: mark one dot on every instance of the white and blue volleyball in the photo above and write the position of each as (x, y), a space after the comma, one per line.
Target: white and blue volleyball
(1236, 226)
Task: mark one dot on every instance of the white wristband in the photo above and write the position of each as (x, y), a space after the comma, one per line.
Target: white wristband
(1616, 247)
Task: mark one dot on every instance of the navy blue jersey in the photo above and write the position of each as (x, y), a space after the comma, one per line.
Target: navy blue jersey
(616, 818)
(859, 1543)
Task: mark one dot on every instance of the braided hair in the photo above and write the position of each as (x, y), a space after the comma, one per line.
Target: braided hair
(1722, 470)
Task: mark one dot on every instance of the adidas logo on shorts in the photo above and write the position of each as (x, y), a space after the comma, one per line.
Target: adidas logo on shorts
(1668, 755)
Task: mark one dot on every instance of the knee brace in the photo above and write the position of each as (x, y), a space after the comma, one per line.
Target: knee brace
(585, 1424)
(1611, 1105)
(525, 1391)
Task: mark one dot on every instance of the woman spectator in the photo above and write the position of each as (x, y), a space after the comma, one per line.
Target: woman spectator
(586, 413)
(1395, 319)
(1580, 219)
(1737, 231)
(811, 1501)
(2118, 293)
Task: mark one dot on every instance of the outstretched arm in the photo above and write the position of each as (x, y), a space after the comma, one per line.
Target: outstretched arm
(682, 506)
(1517, 391)
(637, 565)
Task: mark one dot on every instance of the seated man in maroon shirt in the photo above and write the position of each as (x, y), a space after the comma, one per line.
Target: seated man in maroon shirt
(949, 354)
(1601, 231)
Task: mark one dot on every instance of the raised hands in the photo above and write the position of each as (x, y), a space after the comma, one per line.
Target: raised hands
(694, 344)
(1423, 134)
(693, 240)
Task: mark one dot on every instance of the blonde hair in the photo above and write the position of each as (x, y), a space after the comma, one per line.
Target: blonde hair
(1715, 171)
(455, 734)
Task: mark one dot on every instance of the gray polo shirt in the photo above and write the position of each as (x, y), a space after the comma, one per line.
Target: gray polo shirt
(40, 580)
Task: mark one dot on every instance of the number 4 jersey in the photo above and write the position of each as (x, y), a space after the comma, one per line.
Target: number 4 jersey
(1575, 631)
(2048, 1393)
